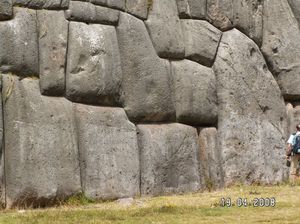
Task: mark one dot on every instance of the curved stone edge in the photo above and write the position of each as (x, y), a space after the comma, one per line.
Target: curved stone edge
(250, 125)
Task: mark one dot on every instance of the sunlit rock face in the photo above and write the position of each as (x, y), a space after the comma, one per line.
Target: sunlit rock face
(251, 125)
(115, 98)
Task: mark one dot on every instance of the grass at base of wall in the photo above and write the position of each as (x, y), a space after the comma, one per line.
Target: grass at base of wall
(189, 208)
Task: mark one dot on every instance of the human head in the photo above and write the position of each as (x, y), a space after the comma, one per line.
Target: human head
(298, 127)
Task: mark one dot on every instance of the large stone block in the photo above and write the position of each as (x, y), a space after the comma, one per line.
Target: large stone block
(43, 4)
(210, 159)
(295, 5)
(293, 113)
(109, 153)
(146, 85)
(201, 41)
(138, 8)
(115, 4)
(251, 124)
(165, 30)
(6, 9)
(195, 9)
(169, 159)
(93, 66)
(220, 13)
(90, 13)
(19, 44)
(53, 39)
(195, 93)
(248, 17)
(41, 153)
(281, 46)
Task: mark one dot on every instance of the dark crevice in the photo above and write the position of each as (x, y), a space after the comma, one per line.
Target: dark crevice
(140, 159)
(66, 60)
(3, 143)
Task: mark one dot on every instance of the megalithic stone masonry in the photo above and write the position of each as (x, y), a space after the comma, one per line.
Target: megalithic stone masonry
(115, 98)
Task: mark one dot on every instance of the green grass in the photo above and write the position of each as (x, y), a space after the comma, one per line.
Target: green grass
(190, 208)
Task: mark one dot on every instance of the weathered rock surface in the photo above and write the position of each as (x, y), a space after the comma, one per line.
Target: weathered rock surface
(293, 113)
(43, 4)
(109, 152)
(281, 46)
(201, 41)
(162, 61)
(138, 8)
(290, 120)
(90, 13)
(251, 125)
(295, 5)
(93, 66)
(195, 93)
(2, 181)
(18, 43)
(6, 9)
(53, 40)
(2, 173)
(168, 157)
(115, 4)
(211, 173)
(220, 13)
(41, 151)
(146, 86)
(248, 17)
(165, 30)
(188, 9)
(245, 15)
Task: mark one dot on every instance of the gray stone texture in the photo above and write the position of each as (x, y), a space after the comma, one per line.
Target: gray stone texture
(19, 44)
(6, 9)
(220, 13)
(201, 41)
(90, 13)
(295, 5)
(162, 61)
(281, 46)
(2, 173)
(93, 66)
(245, 15)
(109, 153)
(293, 113)
(165, 29)
(41, 150)
(252, 114)
(211, 172)
(146, 87)
(169, 159)
(188, 9)
(290, 119)
(43, 4)
(2, 180)
(53, 40)
(195, 93)
(138, 8)
(248, 18)
(115, 4)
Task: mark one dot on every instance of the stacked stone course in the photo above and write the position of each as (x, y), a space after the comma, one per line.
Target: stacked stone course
(118, 98)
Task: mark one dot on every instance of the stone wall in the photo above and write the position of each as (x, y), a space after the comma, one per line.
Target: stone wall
(121, 98)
